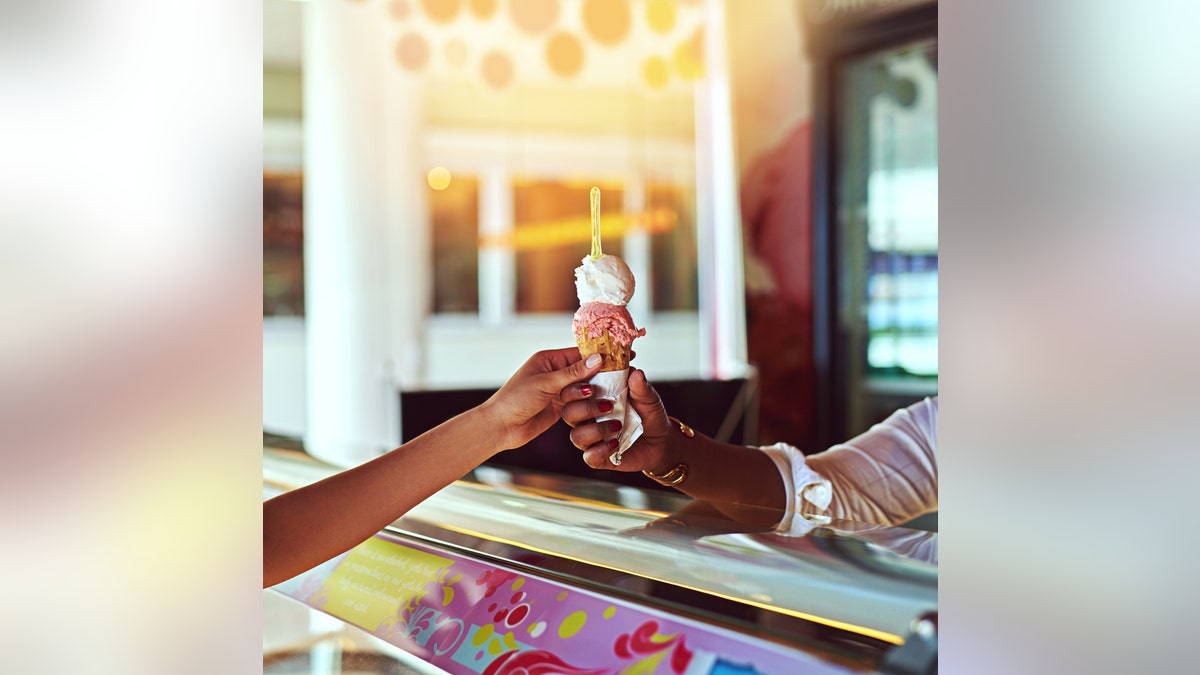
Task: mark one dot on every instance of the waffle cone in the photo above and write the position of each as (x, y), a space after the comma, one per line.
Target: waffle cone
(616, 356)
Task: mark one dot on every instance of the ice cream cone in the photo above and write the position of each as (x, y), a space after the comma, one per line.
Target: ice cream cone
(616, 356)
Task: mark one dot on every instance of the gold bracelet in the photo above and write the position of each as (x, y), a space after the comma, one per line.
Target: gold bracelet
(675, 476)
(687, 431)
(678, 473)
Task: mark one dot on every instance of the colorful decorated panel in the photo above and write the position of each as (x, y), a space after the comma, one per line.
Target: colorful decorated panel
(470, 617)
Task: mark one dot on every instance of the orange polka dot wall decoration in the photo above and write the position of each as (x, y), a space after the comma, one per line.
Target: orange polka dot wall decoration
(412, 51)
(534, 16)
(655, 72)
(483, 9)
(497, 69)
(564, 54)
(441, 11)
(607, 21)
(660, 15)
(400, 10)
(688, 57)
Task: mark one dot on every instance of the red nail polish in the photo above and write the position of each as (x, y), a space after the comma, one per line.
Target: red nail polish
(616, 426)
(606, 406)
(612, 444)
(586, 390)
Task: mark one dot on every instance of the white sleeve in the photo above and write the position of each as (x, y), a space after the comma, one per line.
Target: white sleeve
(888, 474)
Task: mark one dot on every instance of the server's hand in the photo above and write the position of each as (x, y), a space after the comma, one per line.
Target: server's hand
(597, 440)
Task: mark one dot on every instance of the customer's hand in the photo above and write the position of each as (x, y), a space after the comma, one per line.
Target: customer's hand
(597, 439)
(534, 396)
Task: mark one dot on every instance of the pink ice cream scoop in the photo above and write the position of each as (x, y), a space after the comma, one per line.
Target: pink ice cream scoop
(597, 317)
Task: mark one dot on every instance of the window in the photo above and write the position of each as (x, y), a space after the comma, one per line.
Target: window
(551, 234)
(454, 215)
(671, 221)
(541, 228)
(283, 245)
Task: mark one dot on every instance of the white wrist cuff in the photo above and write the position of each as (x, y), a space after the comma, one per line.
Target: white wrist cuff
(808, 492)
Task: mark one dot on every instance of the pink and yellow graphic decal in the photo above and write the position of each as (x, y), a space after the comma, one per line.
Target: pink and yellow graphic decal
(377, 579)
(469, 617)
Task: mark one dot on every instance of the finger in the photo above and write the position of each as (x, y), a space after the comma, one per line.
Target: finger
(596, 456)
(587, 435)
(578, 412)
(575, 392)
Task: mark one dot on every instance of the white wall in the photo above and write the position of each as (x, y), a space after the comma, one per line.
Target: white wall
(284, 374)
(458, 355)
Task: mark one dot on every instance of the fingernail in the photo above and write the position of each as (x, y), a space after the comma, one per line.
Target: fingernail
(593, 360)
(586, 390)
(606, 406)
(616, 426)
(612, 444)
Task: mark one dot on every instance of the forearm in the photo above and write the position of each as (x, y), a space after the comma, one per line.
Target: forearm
(307, 526)
(723, 472)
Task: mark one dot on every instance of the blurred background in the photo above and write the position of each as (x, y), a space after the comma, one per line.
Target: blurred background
(768, 170)
(131, 168)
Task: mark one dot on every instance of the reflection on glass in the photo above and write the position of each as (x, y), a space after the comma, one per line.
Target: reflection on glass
(454, 215)
(702, 519)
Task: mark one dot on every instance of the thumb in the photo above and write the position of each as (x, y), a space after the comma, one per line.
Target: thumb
(645, 399)
(580, 370)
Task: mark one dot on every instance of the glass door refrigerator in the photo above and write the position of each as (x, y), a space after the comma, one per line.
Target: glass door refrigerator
(875, 217)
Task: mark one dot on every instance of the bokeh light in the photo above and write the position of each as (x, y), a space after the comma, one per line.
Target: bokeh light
(441, 11)
(497, 69)
(607, 21)
(660, 15)
(412, 51)
(438, 178)
(564, 54)
(655, 72)
(534, 16)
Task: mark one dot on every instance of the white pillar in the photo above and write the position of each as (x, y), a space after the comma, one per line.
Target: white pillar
(719, 227)
(497, 265)
(355, 191)
(408, 248)
(637, 247)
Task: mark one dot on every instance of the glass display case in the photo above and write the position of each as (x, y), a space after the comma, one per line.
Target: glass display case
(514, 571)
(875, 198)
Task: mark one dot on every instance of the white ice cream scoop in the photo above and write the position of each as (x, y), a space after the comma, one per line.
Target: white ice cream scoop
(605, 279)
